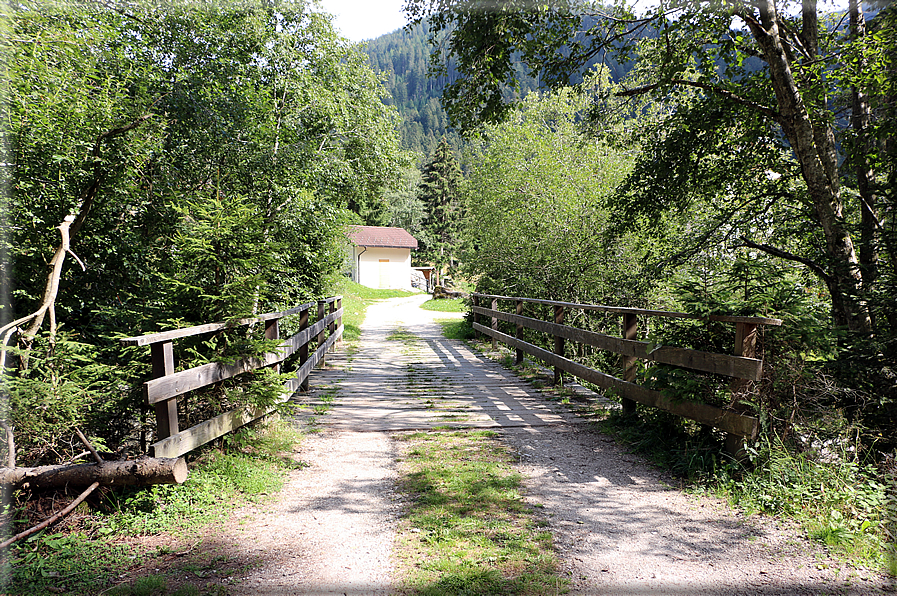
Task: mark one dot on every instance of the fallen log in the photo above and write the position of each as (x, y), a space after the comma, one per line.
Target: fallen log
(132, 472)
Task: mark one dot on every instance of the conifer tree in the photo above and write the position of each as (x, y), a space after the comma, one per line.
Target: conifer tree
(440, 191)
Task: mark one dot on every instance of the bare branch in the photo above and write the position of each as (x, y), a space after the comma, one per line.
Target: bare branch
(706, 87)
(51, 520)
(93, 452)
(782, 254)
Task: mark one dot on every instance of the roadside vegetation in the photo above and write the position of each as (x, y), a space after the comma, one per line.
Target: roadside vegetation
(468, 530)
(445, 305)
(147, 540)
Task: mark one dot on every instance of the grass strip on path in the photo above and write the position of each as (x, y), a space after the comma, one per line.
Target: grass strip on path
(467, 529)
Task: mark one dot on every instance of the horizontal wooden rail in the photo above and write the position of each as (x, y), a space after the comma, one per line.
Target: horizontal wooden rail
(639, 311)
(200, 434)
(721, 364)
(727, 420)
(162, 391)
(200, 376)
(153, 338)
(741, 366)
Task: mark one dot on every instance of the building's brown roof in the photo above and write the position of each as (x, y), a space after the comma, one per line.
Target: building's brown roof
(381, 237)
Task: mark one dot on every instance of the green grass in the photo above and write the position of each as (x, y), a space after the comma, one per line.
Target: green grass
(467, 530)
(356, 299)
(445, 305)
(841, 504)
(456, 329)
(90, 560)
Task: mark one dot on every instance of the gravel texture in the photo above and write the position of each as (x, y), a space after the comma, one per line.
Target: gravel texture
(619, 525)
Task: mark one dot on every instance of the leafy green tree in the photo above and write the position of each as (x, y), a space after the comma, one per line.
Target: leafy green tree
(406, 210)
(758, 64)
(537, 220)
(172, 164)
(440, 192)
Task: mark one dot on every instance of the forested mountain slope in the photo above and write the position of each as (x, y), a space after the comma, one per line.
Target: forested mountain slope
(404, 57)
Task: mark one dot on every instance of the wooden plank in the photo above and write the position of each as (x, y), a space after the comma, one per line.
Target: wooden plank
(732, 422)
(722, 364)
(640, 311)
(628, 363)
(164, 388)
(558, 344)
(316, 357)
(166, 412)
(196, 436)
(151, 338)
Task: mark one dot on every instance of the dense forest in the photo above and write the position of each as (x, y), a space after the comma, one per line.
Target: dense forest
(166, 167)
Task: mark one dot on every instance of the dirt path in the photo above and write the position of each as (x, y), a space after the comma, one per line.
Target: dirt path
(619, 527)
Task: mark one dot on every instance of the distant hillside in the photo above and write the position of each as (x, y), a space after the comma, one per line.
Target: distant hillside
(404, 56)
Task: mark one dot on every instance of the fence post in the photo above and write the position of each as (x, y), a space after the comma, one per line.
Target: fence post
(272, 331)
(166, 411)
(745, 345)
(628, 363)
(303, 349)
(519, 335)
(559, 345)
(476, 316)
(494, 324)
(322, 336)
(331, 328)
(339, 320)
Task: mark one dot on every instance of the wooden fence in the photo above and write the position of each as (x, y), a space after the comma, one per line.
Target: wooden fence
(166, 385)
(741, 365)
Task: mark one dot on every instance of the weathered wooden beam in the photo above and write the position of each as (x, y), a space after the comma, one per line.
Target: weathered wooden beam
(162, 354)
(172, 385)
(726, 420)
(200, 434)
(639, 311)
(151, 338)
(722, 364)
(628, 362)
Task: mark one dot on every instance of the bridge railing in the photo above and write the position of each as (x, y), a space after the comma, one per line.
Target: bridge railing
(163, 390)
(742, 365)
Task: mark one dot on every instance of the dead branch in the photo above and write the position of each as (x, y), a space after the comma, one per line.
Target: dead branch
(53, 519)
(133, 472)
(93, 452)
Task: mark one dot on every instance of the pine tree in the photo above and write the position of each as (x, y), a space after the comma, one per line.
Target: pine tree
(440, 191)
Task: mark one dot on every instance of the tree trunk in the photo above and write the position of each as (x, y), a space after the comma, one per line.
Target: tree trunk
(135, 472)
(814, 148)
(861, 120)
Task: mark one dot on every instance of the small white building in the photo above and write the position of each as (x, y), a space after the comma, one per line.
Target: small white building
(381, 257)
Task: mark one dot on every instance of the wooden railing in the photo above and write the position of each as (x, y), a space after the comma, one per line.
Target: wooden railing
(742, 365)
(166, 385)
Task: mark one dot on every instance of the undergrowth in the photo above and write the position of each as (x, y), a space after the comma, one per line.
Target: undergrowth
(467, 530)
(845, 504)
(88, 553)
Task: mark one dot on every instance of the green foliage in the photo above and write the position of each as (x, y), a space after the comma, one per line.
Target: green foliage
(445, 305)
(470, 523)
(440, 193)
(211, 157)
(456, 329)
(62, 388)
(537, 222)
(77, 561)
